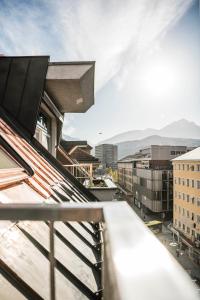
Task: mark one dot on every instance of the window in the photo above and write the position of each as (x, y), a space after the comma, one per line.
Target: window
(192, 200)
(198, 184)
(10, 170)
(183, 181)
(198, 219)
(188, 182)
(188, 198)
(198, 168)
(198, 202)
(179, 224)
(188, 167)
(183, 196)
(192, 216)
(183, 213)
(192, 182)
(6, 162)
(179, 181)
(192, 168)
(184, 227)
(188, 230)
(43, 130)
(188, 214)
(183, 167)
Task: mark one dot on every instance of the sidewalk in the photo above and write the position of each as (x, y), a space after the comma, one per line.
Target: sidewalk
(166, 238)
(192, 268)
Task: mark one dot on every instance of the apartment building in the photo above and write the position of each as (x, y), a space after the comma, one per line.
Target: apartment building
(186, 216)
(107, 154)
(125, 173)
(148, 176)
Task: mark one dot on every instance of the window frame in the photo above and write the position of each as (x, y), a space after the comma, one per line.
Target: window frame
(13, 175)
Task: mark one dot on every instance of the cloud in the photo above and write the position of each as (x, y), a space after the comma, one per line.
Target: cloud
(68, 128)
(115, 33)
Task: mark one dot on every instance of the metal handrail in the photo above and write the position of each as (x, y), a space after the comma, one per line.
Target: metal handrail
(136, 264)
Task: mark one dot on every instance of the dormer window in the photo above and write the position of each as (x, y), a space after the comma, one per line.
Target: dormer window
(13, 168)
(6, 162)
(10, 171)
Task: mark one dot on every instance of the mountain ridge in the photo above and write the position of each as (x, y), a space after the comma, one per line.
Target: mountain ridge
(179, 129)
(130, 147)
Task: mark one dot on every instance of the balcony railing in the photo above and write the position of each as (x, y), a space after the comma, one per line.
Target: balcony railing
(136, 265)
(81, 171)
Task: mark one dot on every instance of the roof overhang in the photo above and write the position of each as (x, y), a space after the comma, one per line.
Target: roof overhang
(71, 85)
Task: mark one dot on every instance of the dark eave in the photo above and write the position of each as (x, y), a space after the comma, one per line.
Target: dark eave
(69, 145)
(22, 81)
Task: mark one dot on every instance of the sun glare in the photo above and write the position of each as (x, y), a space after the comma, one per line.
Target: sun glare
(160, 78)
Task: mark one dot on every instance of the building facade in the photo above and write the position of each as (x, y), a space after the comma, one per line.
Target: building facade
(107, 154)
(186, 216)
(148, 176)
(69, 88)
(30, 174)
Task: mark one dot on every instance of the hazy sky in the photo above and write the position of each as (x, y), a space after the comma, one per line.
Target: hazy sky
(147, 55)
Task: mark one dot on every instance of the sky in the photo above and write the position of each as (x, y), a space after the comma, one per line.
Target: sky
(147, 55)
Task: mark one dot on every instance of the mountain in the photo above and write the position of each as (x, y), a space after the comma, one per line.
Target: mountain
(130, 147)
(178, 129)
(69, 138)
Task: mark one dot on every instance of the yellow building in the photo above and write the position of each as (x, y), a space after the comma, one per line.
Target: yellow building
(186, 212)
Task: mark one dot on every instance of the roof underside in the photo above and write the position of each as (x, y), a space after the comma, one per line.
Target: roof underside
(25, 246)
(69, 145)
(83, 157)
(71, 85)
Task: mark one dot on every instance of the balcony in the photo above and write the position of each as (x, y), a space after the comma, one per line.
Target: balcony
(135, 264)
(81, 171)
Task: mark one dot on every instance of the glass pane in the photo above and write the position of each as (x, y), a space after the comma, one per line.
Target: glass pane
(6, 162)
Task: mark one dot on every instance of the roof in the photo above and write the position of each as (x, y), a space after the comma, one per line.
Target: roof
(76, 151)
(135, 157)
(63, 157)
(71, 85)
(83, 157)
(69, 145)
(191, 155)
(22, 84)
(24, 245)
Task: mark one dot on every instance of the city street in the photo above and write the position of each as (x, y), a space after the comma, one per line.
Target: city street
(166, 238)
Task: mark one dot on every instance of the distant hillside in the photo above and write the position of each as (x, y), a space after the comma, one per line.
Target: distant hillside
(69, 138)
(179, 129)
(130, 147)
